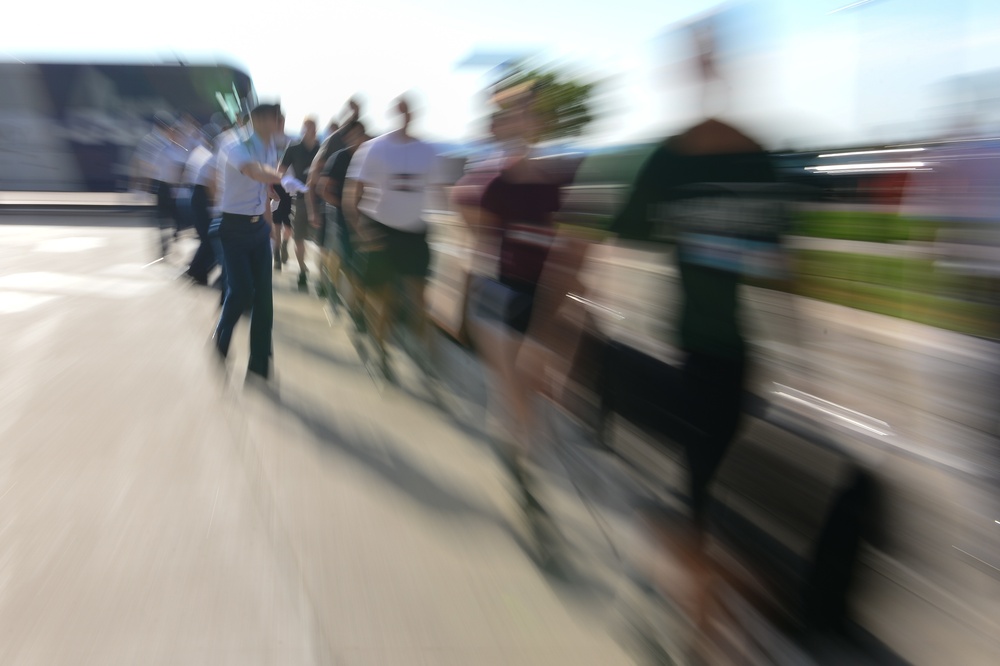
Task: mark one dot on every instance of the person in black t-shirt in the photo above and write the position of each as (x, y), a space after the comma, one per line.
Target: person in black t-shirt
(281, 216)
(331, 144)
(299, 158)
(339, 252)
(711, 193)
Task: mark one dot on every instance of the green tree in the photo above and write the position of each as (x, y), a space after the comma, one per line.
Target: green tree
(562, 103)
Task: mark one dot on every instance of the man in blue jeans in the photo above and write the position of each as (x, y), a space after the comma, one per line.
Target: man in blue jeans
(245, 236)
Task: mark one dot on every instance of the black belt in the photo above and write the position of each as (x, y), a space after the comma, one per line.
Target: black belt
(252, 219)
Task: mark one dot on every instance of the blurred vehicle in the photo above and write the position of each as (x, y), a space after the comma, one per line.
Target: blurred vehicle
(73, 127)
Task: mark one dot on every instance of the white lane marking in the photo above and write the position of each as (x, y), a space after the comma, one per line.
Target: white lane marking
(71, 244)
(65, 284)
(12, 302)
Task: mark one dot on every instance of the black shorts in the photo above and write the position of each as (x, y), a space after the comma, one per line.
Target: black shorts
(400, 254)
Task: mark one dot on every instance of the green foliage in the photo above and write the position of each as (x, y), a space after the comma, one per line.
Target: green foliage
(563, 104)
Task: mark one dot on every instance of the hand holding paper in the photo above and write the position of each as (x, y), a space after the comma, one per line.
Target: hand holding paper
(293, 185)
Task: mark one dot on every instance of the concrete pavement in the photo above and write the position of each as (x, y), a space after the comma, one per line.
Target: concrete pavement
(154, 511)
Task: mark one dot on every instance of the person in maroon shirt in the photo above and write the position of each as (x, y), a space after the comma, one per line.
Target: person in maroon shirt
(514, 234)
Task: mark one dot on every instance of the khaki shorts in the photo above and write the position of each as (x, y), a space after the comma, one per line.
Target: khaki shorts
(300, 219)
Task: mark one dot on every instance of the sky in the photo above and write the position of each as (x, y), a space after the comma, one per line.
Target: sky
(809, 73)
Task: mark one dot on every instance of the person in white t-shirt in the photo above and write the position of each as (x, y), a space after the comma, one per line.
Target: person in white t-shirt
(391, 176)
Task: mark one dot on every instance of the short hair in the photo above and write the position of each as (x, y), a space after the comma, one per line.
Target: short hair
(357, 125)
(266, 111)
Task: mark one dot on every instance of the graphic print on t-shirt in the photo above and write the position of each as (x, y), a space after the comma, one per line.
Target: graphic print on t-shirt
(732, 227)
(405, 182)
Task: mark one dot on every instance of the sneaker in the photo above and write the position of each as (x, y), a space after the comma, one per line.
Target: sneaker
(265, 386)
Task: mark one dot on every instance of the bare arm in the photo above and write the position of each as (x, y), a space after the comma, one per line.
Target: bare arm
(315, 170)
(261, 173)
(327, 188)
(314, 185)
(353, 191)
(559, 319)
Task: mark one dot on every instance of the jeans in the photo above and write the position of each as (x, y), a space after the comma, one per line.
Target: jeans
(246, 254)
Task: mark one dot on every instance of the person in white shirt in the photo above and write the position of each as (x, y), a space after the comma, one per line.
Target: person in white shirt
(159, 162)
(238, 132)
(244, 232)
(391, 175)
(199, 178)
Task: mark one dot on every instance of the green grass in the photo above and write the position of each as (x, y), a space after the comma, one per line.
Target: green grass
(875, 227)
(903, 287)
(917, 275)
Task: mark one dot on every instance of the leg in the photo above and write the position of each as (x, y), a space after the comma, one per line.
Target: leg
(382, 296)
(711, 402)
(204, 258)
(239, 286)
(413, 257)
(379, 278)
(498, 345)
(300, 254)
(262, 319)
(285, 233)
(276, 244)
(164, 216)
(300, 232)
(217, 250)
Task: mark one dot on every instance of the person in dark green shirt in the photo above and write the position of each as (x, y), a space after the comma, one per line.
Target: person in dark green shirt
(711, 193)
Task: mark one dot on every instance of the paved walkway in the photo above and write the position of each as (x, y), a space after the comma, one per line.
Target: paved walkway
(155, 511)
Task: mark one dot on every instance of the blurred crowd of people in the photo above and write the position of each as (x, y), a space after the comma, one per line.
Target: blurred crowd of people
(711, 193)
